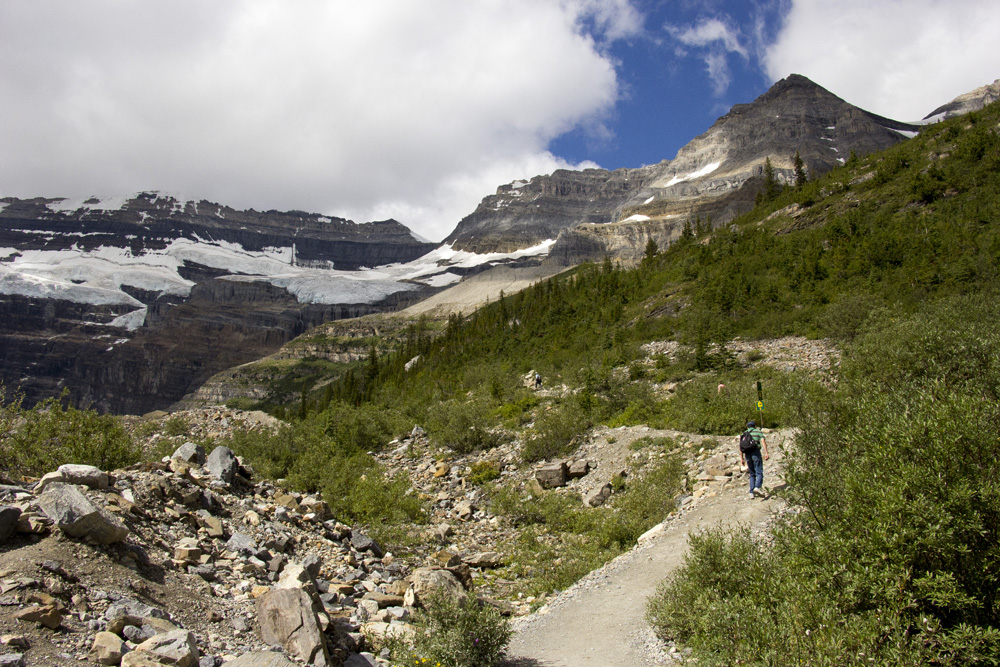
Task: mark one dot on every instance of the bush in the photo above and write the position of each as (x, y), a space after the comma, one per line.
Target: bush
(457, 634)
(34, 442)
(556, 432)
(463, 426)
(895, 558)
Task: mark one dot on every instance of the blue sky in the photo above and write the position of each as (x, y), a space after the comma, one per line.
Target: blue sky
(416, 110)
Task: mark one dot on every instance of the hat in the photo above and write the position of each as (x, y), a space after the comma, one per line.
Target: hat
(751, 424)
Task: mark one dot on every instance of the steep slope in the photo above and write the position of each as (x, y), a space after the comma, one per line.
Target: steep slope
(973, 100)
(597, 213)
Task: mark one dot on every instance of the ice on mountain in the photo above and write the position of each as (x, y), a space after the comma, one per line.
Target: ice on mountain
(704, 171)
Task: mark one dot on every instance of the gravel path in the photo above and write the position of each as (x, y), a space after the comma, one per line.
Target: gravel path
(599, 621)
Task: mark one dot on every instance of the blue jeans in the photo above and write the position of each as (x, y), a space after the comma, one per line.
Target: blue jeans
(755, 468)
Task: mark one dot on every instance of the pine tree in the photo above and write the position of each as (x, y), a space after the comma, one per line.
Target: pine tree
(772, 188)
(800, 171)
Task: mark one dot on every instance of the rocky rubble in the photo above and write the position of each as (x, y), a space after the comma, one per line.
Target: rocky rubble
(188, 561)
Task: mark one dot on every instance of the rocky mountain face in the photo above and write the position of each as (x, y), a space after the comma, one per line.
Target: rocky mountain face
(970, 101)
(131, 304)
(594, 213)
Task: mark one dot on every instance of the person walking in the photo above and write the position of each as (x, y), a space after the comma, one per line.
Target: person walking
(751, 441)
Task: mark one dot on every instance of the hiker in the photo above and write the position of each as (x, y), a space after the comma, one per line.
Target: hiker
(538, 380)
(751, 441)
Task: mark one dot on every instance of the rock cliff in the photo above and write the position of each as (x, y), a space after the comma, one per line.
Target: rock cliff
(131, 304)
(594, 213)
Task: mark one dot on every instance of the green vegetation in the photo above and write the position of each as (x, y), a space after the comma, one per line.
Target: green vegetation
(895, 558)
(453, 633)
(36, 441)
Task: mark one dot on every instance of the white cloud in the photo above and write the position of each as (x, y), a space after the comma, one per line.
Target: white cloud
(897, 58)
(322, 105)
(713, 40)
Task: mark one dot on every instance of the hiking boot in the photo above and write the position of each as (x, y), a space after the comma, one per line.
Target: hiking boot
(751, 495)
(759, 492)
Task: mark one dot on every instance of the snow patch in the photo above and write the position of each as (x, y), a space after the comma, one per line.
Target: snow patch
(65, 205)
(638, 217)
(704, 171)
(130, 321)
(649, 200)
(909, 134)
(7, 252)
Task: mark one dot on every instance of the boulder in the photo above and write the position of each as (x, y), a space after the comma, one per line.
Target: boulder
(75, 515)
(242, 544)
(287, 619)
(361, 660)
(484, 559)
(598, 496)
(362, 542)
(222, 464)
(190, 453)
(8, 521)
(464, 510)
(108, 648)
(552, 475)
(579, 469)
(89, 476)
(261, 659)
(431, 581)
(177, 648)
(12, 660)
(49, 615)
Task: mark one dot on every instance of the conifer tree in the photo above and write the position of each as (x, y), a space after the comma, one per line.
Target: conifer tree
(800, 171)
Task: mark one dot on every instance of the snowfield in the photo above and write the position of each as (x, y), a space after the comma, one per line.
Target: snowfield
(97, 276)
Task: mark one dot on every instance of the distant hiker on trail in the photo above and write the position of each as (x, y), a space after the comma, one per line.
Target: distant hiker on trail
(538, 380)
(751, 441)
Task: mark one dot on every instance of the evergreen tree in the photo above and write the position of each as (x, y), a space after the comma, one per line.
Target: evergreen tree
(772, 188)
(652, 248)
(800, 171)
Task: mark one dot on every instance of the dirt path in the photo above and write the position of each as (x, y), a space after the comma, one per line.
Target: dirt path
(599, 621)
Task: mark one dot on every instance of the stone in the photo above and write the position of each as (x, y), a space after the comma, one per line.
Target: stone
(598, 496)
(464, 510)
(316, 506)
(362, 542)
(484, 559)
(430, 581)
(262, 659)
(287, 619)
(177, 647)
(127, 607)
(49, 615)
(12, 660)
(447, 558)
(222, 464)
(9, 516)
(579, 469)
(90, 476)
(144, 659)
(295, 575)
(75, 515)
(213, 526)
(242, 544)
(138, 635)
(553, 475)
(287, 501)
(189, 452)
(442, 469)
(384, 600)
(361, 660)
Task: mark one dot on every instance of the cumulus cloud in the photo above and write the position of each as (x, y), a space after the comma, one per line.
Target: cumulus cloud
(897, 58)
(387, 107)
(713, 40)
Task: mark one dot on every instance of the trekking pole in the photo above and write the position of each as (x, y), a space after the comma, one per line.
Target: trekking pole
(760, 403)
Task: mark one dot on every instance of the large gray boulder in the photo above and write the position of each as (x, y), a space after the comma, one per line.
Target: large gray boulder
(189, 452)
(553, 475)
(222, 464)
(261, 659)
(74, 514)
(176, 648)
(429, 582)
(287, 619)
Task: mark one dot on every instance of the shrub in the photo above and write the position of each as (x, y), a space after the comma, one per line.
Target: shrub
(462, 426)
(556, 431)
(451, 633)
(484, 472)
(36, 441)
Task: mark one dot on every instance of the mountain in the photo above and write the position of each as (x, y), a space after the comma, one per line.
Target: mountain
(130, 302)
(594, 213)
(970, 101)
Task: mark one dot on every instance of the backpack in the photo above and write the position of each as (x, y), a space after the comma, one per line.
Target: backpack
(747, 441)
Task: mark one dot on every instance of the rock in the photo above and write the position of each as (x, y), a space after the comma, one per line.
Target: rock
(552, 475)
(484, 559)
(222, 464)
(447, 558)
(361, 660)
(12, 660)
(295, 575)
(190, 453)
(599, 496)
(431, 581)
(579, 469)
(442, 470)
(441, 532)
(242, 544)
(261, 659)
(89, 476)
(49, 615)
(9, 516)
(213, 526)
(384, 600)
(75, 515)
(108, 648)
(171, 648)
(464, 510)
(287, 619)
(127, 607)
(362, 542)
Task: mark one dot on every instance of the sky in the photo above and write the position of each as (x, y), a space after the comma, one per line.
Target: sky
(417, 109)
